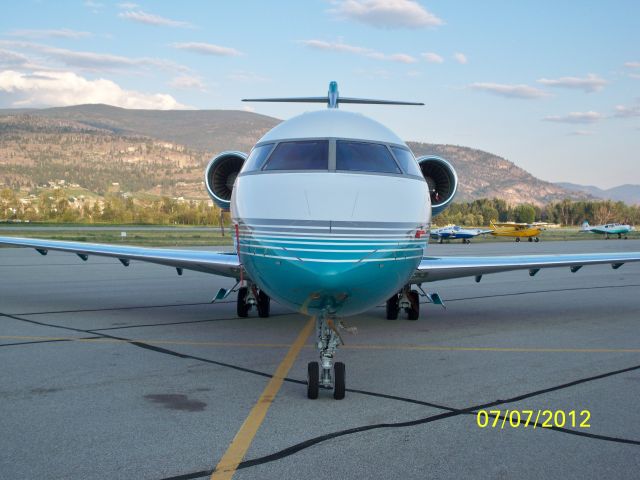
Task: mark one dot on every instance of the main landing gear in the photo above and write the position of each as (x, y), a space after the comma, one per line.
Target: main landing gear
(407, 300)
(320, 374)
(534, 239)
(252, 296)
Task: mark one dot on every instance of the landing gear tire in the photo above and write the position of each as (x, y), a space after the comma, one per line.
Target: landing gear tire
(531, 239)
(392, 308)
(625, 237)
(264, 304)
(339, 381)
(413, 312)
(536, 239)
(517, 239)
(313, 380)
(242, 307)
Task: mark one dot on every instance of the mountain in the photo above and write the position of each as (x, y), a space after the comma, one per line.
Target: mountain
(627, 193)
(485, 175)
(204, 130)
(103, 148)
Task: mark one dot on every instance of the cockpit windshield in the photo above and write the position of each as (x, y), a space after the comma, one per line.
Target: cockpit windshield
(301, 155)
(334, 155)
(257, 157)
(364, 157)
(407, 161)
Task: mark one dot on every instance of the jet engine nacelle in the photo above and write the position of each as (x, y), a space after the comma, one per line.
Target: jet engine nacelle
(220, 175)
(442, 180)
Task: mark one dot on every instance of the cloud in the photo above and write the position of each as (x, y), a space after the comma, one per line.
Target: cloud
(68, 88)
(207, 49)
(510, 91)
(632, 64)
(460, 58)
(336, 47)
(590, 83)
(396, 57)
(95, 6)
(432, 57)
(12, 59)
(386, 13)
(93, 61)
(151, 19)
(581, 133)
(623, 111)
(59, 33)
(576, 117)
(365, 52)
(635, 75)
(188, 82)
(128, 5)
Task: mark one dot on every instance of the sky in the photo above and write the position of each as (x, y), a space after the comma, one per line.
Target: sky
(552, 86)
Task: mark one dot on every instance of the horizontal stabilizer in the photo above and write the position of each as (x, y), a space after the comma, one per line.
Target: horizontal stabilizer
(289, 100)
(361, 101)
(332, 99)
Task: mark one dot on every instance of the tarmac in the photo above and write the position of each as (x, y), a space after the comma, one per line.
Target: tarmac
(130, 373)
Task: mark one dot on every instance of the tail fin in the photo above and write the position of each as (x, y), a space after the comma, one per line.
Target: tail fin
(585, 226)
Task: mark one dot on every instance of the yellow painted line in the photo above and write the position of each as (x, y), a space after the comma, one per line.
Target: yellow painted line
(434, 348)
(491, 349)
(235, 453)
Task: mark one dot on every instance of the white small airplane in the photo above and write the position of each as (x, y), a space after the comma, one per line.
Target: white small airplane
(332, 215)
(607, 229)
(452, 232)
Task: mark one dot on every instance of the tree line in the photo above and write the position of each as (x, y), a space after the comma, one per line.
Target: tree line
(55, 206)
(565, 212)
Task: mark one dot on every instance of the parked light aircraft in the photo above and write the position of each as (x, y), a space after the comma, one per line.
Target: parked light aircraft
(332, 215)
(608, 229)
(452, 232)
(529, 231)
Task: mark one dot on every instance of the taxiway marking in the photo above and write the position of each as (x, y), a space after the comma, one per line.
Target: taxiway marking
(434, 348)
(235, 453)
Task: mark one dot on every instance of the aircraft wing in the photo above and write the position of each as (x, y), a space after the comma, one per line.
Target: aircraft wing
(442, 268)
(218, 263)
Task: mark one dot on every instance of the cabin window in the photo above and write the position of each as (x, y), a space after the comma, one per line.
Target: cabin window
(302, 155)
(364, 157)
(257, 157)
(407, 161)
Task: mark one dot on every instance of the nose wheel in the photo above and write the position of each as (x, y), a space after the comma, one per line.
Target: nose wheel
(313, 380)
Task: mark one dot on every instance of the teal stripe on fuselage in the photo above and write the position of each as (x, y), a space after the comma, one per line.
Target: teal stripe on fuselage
(344, 276)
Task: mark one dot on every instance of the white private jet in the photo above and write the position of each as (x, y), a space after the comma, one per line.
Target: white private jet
(332, 215)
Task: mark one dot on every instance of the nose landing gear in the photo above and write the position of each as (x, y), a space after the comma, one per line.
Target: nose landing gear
(321, 374)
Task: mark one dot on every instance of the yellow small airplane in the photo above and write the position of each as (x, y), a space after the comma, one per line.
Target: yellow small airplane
(518, 230)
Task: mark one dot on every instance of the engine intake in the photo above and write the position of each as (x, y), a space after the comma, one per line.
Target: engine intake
(220, 175)
(442, 180)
